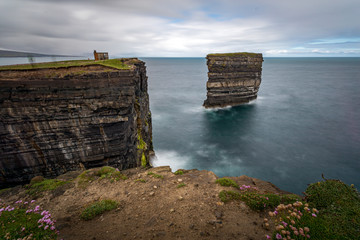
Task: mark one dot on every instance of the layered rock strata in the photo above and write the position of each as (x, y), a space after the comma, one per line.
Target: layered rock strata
(71, 118)
(233, 78)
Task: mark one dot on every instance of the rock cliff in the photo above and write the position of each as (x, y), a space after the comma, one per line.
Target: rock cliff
(54, 120)
(234, 78)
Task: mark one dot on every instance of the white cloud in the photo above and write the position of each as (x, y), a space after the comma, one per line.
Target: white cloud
(179, 28)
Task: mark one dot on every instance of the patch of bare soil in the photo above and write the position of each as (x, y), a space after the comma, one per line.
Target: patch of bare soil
(155, 209)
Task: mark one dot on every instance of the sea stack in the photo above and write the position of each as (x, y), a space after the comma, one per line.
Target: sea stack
(234, 78)
(73, 116)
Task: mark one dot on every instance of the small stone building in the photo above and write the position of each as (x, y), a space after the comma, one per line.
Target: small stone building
(100, 55)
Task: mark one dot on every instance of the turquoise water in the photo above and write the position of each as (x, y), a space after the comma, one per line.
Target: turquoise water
(305, 122)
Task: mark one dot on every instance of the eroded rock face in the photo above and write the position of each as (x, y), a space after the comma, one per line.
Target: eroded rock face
(57, 120)
(234, 78)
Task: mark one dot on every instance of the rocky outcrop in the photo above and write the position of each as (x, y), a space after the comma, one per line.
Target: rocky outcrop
(234, 78)
(71, 118)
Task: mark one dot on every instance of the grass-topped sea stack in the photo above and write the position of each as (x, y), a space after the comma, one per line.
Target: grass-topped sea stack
(234, 78)
(63, 116)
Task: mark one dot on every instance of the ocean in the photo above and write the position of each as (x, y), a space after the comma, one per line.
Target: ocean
(304, 123)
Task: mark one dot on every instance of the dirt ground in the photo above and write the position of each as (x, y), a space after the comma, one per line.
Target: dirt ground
(155, 209)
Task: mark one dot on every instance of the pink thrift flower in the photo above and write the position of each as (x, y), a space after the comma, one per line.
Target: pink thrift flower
(46, 227)
(32, 201)
(314, 215)
(22, 229)
(278, 236)
(52, 228)
(268, 237)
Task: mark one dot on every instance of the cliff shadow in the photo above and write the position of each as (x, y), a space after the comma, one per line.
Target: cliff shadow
(226, 138)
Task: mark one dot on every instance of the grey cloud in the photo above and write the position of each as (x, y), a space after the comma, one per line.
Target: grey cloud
(176, 28)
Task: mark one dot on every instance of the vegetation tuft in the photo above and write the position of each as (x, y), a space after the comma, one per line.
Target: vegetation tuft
(339, 208)
(257, 201)
(155, 175)
(106, 172)
(179, 172)
(331, 211)
(140, 180)
(227, 182)
(24, 220)
(35, 189)
(98, 208)
(181, 185)
(238, 54)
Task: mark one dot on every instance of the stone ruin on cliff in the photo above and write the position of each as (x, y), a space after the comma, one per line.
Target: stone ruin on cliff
(233, 78)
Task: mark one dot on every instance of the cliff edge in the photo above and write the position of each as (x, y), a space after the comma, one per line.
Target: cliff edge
(153, 203)
(63, 116)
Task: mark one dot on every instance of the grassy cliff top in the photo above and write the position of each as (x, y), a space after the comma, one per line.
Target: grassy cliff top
(114, 63)
(238, 54)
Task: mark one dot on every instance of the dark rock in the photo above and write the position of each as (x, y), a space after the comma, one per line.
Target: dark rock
(234, 78)
(218, 214)
(59, 120)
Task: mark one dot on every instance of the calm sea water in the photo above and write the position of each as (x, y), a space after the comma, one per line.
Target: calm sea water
(305, 122)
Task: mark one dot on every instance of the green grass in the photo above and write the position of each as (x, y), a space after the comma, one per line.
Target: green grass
(238, 54)
(155, 175)
(37, 188)
(258, 201)
(227, 182)
(4, 190)
(98, 208)
(17, 223)
(140, 180)
(181, 185)
(226, 196)
(339, 208)
(12, 223)
(179, 172)
(114, 63)
(105, 172)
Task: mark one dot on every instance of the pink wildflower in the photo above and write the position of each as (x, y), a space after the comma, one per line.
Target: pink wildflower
(268, 237)
(314, 215)
(278, 236)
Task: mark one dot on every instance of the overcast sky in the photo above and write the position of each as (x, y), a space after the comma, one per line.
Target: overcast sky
(182, 28)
